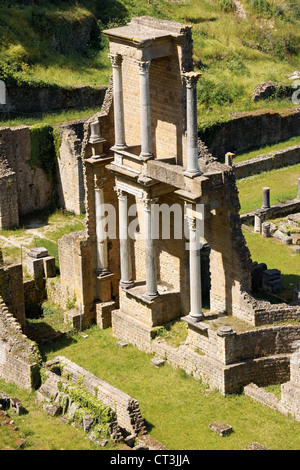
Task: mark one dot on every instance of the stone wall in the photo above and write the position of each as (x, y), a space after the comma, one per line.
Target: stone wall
(70, 187)
(12, 290)
(9, 214)
(127, 408)
(254, 129)
(31, 185)
(19, 357)
(45, 100)
(289, 156)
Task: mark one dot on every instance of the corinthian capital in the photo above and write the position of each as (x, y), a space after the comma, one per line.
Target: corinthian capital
(143, 66)
(191, 78)
(116, 59)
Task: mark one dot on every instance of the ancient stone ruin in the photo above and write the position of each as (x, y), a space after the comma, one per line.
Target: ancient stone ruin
(154, 195)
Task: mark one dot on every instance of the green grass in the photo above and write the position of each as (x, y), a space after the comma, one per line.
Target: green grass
(283, 184)
(276, 256)
(177, 411)
(267, 149)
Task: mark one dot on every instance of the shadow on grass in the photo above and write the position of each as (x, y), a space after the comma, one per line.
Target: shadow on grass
(63, 341)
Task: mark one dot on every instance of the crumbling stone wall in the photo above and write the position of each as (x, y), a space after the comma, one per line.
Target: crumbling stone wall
(70, 169)
(33, 188)
(19, 357)
(12, 290)
(127, 408)
(9, 214)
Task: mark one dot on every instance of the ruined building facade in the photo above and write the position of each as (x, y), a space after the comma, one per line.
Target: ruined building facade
(141, 159)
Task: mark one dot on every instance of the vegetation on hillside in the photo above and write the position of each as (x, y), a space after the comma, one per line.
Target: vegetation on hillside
(60, 43)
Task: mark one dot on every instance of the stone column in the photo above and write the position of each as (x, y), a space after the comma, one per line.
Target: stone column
(125, 252)
(151, 275)
(195, 271)
(266, 198)
(101, 239)
(116, 60)
(191, 79)
(146, 144)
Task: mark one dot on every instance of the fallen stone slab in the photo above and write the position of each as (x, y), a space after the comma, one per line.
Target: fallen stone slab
(286, 239)
(221, 428)
(53, 410)
(256, 446)
(120, 344)
(157, 362)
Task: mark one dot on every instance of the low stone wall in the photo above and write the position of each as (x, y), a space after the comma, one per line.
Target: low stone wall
(289, 403)
(289, 156)
(19, 357)
(127, 408)
(209, 366)
(260, 395)
(44, 100)
(254, 129)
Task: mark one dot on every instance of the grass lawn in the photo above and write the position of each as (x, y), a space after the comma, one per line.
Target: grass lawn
(176, 410)
(283, 184)
(267, 150)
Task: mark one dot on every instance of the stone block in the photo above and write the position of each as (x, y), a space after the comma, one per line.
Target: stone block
(38, 253)
(16, 406)
(53, 410)
(35, 267)
(221, 428)
(49, 266)
(296, 238)
(271, 281)
(286, 239)
(157, 362)
(87, 422)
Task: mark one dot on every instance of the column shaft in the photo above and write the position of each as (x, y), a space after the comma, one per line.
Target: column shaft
(191, 79)
(195, 272)
(102, 259)
(151, 275)
(118, 101)
(125, 255)
(146, 144)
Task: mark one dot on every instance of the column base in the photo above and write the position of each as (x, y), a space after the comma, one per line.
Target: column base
(192, 173)
(195, 317)
(146, 156)
(103, 272)
(126, 284)
(150, 297)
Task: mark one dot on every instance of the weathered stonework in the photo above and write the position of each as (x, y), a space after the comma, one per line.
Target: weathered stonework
(19, 357)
